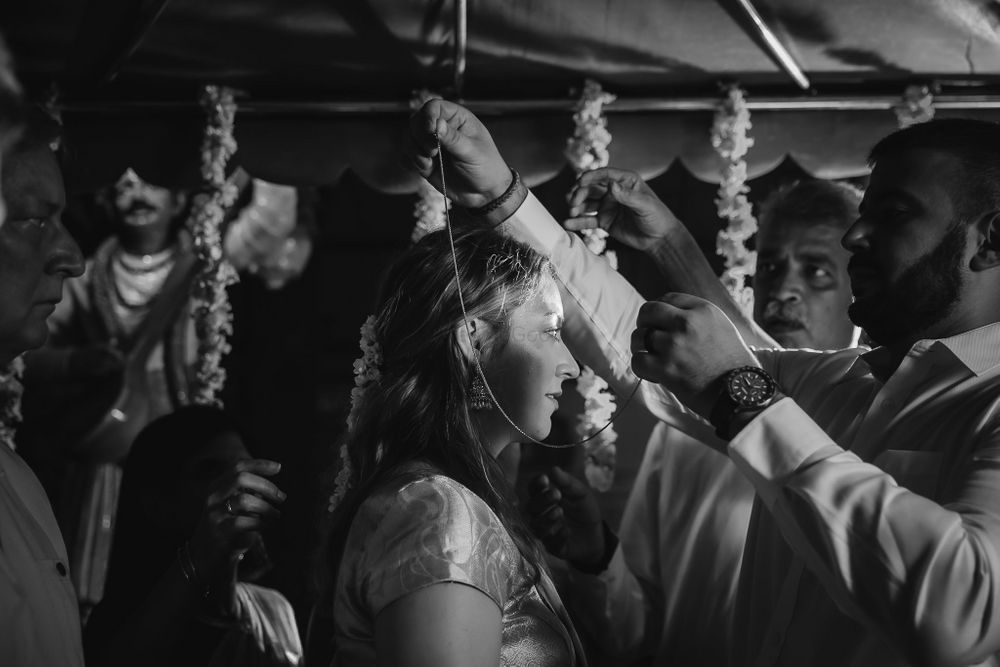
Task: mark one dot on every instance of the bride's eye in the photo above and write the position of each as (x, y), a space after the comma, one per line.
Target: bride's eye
(555, 333)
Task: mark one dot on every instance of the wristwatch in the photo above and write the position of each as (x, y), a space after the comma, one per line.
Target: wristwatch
(746, 392)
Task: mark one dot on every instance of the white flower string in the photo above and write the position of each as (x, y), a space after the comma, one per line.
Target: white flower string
(915, 106)
(599, 406)
(431, 206)
(366, 373)
(10, 401)
(731, 141)
(212, 311)
(587, 149)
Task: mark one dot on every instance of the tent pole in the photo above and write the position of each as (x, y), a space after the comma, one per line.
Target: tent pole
(772, 44)
(461, 39)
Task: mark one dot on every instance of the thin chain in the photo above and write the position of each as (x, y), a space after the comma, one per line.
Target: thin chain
(475, 351)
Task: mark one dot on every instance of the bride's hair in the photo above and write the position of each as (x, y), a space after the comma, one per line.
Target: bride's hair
(420, 409)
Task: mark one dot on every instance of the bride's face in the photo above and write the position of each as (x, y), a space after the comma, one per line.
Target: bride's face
(527, 374)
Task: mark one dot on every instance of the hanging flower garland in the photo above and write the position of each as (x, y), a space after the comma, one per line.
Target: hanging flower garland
(598, 408)
(10, 401)
(366, 373)
(731, 142)
(915, 106)
(588, 149)
(212, 311)
(431, 207)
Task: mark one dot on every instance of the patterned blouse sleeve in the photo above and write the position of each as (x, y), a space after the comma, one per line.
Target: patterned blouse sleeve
(434, 531)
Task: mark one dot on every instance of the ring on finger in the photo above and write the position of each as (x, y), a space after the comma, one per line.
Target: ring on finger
(229, 506)
(647, 339)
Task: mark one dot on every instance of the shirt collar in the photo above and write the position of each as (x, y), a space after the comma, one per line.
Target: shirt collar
(978, 350)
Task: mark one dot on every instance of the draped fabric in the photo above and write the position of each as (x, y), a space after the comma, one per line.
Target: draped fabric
(373, 54)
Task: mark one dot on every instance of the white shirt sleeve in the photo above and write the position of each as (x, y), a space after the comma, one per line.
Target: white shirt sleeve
(927, 575)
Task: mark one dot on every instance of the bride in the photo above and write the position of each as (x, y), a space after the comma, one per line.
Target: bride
(430, 562)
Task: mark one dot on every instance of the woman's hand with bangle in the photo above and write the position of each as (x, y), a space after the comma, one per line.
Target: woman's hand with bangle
(475, 172)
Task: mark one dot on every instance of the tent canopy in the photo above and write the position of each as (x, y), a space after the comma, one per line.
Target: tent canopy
(325, 85)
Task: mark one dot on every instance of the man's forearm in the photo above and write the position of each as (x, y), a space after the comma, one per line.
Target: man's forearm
(686, 270)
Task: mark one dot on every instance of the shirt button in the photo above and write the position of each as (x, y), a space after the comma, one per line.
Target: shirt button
(61, 569)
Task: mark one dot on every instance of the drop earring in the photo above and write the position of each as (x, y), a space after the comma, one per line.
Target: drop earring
(479, 398)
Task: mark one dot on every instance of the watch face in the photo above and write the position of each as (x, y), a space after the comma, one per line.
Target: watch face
(750, 387)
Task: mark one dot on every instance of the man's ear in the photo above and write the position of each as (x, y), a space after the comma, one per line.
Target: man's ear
(987, 255)
(472, 335)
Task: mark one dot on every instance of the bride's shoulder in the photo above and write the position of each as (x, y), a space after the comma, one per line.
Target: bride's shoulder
(426, 529)
(423, 494)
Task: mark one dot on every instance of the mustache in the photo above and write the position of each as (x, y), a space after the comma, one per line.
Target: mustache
(782, 312)
(135, 204)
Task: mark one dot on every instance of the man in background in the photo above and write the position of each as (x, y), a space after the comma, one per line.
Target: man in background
(39, 621)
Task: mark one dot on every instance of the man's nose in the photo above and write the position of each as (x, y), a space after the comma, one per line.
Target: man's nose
(65, 256)
(856, 236)
(787, 286)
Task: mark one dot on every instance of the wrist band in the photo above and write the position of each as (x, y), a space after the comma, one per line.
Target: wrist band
(501, 200)
(187, 569)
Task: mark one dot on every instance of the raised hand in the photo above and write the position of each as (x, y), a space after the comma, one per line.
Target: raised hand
(241, 503)
(564, 515)
(620, 202)
(687, 344)
(475, 172)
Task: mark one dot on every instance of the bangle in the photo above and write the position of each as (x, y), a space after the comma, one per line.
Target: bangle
(501, 200)
(187, 568)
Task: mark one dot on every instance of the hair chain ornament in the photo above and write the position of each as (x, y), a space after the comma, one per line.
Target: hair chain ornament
(475, 353)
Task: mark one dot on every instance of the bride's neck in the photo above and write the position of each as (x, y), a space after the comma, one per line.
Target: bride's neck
(496, 436)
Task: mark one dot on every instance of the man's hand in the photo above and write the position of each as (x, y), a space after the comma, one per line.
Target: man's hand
(687, 344)
(241, 503)
(625, 207)
(475, 172)
(565, 516)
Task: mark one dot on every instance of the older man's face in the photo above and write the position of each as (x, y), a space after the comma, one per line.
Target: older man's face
(36, 252)
(801, 287)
